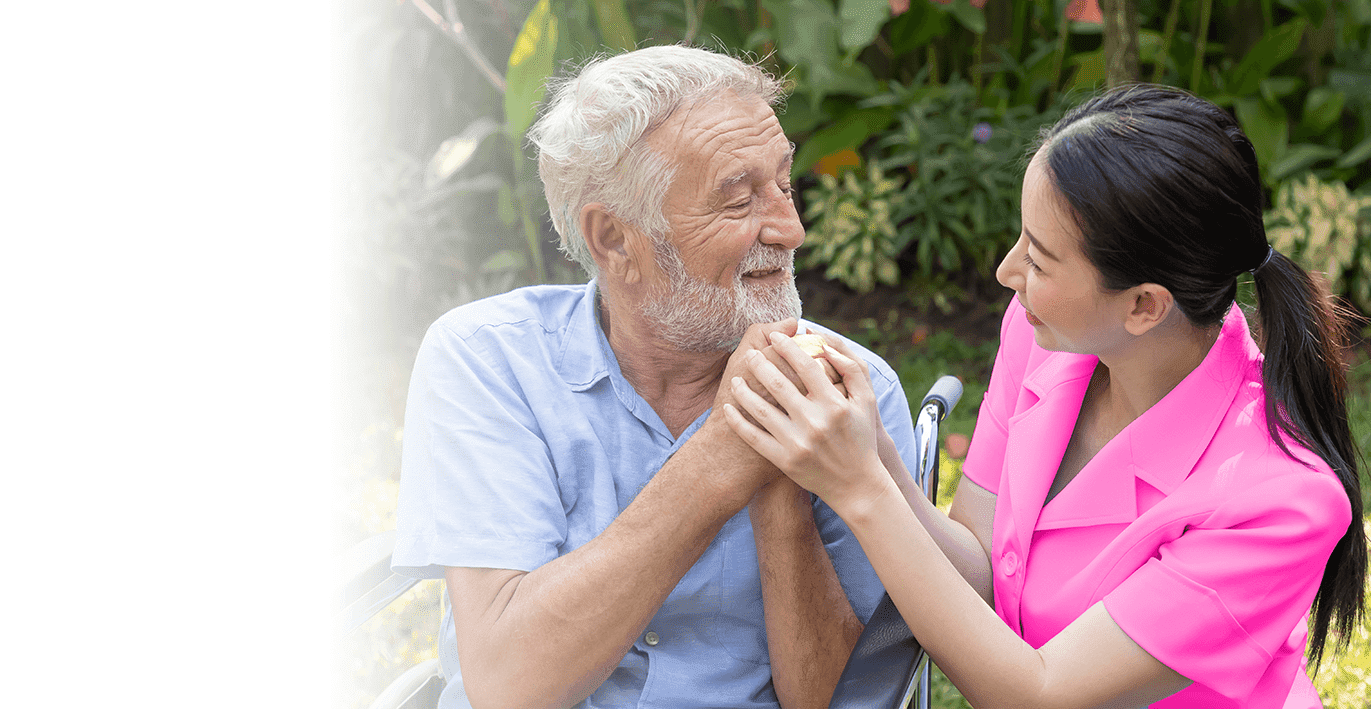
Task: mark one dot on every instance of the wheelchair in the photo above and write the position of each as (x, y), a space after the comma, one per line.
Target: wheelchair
(887, 668)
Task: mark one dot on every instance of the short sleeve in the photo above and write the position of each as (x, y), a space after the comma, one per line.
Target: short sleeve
(477, 487)
(1218, 602)
(985, 459)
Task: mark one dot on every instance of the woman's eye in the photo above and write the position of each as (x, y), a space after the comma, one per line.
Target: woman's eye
(1029, 260)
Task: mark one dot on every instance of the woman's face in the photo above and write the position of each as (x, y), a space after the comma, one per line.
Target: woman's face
(1054, 281)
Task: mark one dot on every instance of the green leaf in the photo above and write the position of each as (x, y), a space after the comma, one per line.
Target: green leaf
(1355, 83)
(457, 151)
(800, 117)
(504, 204)
(1322, 108)
(809, 29)
(530, 63)
(616, 30)
(1273, 48)
(861, 20)
(970, 17)
(1356, 156)
(847, 132)
(507, 260)
(1274, 88)
(1265, 126)
(1090, 71)
(1298, 158)
(920, 24)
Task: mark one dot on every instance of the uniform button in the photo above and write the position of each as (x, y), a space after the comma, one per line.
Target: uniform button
(652, 638)
(1009, 563)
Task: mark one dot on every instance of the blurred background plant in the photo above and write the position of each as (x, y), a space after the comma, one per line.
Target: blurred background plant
(851, 235)
(911, 119)
(1328, 229)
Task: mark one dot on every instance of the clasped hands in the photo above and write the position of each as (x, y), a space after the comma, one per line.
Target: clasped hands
(823, 437)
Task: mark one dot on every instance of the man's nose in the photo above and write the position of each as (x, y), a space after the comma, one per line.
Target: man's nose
(781, 223)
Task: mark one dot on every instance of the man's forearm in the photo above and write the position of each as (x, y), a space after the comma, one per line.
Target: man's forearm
(810, 626)
(550, 637)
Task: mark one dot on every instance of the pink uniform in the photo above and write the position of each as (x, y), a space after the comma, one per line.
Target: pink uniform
(1204, 540)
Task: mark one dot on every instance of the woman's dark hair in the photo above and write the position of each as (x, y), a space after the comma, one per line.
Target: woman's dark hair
(1165, 189)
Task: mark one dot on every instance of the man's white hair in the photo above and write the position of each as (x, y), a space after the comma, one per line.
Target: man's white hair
(590, 138)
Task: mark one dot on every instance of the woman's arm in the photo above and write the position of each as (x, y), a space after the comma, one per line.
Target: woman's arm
(964, 538)
(827, 444)
(1091, 663)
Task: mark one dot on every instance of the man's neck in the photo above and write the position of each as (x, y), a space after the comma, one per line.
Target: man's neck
(677, 384)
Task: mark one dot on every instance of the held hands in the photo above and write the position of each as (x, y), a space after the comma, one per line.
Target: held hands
(747, 470)
(757, 339)
(822, 438)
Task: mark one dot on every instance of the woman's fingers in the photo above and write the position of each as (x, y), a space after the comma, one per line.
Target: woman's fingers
(757, 430)
(846, 350)
(853, 373)
(810, 370)
(773, 382)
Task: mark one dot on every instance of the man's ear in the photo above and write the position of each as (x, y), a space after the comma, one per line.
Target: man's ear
(1151, 305)
(615, 246)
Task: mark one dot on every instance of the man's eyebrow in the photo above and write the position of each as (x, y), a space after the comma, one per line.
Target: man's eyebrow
(1039, 245)
(729, 182)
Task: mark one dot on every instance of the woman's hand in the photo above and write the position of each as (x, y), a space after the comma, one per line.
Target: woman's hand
(825, 439)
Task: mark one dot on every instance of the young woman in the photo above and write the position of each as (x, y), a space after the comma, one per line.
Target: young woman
(1151, 510)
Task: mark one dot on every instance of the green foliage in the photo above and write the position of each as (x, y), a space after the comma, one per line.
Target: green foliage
(852, 234)
(960, 207)
(1326, 229)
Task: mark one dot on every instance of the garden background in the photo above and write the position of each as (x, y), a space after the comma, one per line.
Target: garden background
(912, 118)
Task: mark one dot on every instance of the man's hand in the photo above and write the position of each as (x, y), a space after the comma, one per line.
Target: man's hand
(775, 358)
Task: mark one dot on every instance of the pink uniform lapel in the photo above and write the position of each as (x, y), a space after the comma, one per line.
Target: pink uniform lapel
(1038, 434)
(1161, 447)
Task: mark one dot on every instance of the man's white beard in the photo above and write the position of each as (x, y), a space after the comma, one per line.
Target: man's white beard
(698, 316)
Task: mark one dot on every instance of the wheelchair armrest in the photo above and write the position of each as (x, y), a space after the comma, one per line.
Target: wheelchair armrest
(418, 688)
(369, 583)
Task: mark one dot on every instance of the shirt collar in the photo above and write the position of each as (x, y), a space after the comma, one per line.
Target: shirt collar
(584, 357)
(1189, 415)
(1160, 447)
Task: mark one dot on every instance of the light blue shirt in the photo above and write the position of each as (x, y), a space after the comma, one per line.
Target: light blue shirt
(523, 441)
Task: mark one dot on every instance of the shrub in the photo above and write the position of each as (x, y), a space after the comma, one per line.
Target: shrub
(852, 232)
(1325, 228)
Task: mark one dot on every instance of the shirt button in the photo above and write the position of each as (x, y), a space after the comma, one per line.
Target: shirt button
(1009, 563)
(652, 638)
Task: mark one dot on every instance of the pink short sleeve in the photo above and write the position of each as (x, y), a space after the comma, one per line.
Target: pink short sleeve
(985, 459)
(1219, 601)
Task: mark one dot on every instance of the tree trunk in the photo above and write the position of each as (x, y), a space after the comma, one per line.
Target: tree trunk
(1120, 41)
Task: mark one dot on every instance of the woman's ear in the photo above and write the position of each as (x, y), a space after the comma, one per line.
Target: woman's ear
(615, 246)
(1151, 305)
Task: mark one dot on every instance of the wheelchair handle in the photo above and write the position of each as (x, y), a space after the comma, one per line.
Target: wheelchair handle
(945, 393)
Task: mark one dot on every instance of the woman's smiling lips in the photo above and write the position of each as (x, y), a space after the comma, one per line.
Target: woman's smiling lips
(1035, 322)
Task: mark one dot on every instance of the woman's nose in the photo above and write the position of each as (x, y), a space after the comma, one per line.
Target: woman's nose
(1008, 272)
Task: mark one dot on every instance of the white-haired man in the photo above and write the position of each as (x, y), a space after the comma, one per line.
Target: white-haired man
(606, 539)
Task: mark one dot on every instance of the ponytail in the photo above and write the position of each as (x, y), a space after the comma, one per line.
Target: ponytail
(1304, 376)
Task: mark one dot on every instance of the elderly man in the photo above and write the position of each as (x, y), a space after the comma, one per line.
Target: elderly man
(607, 541)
